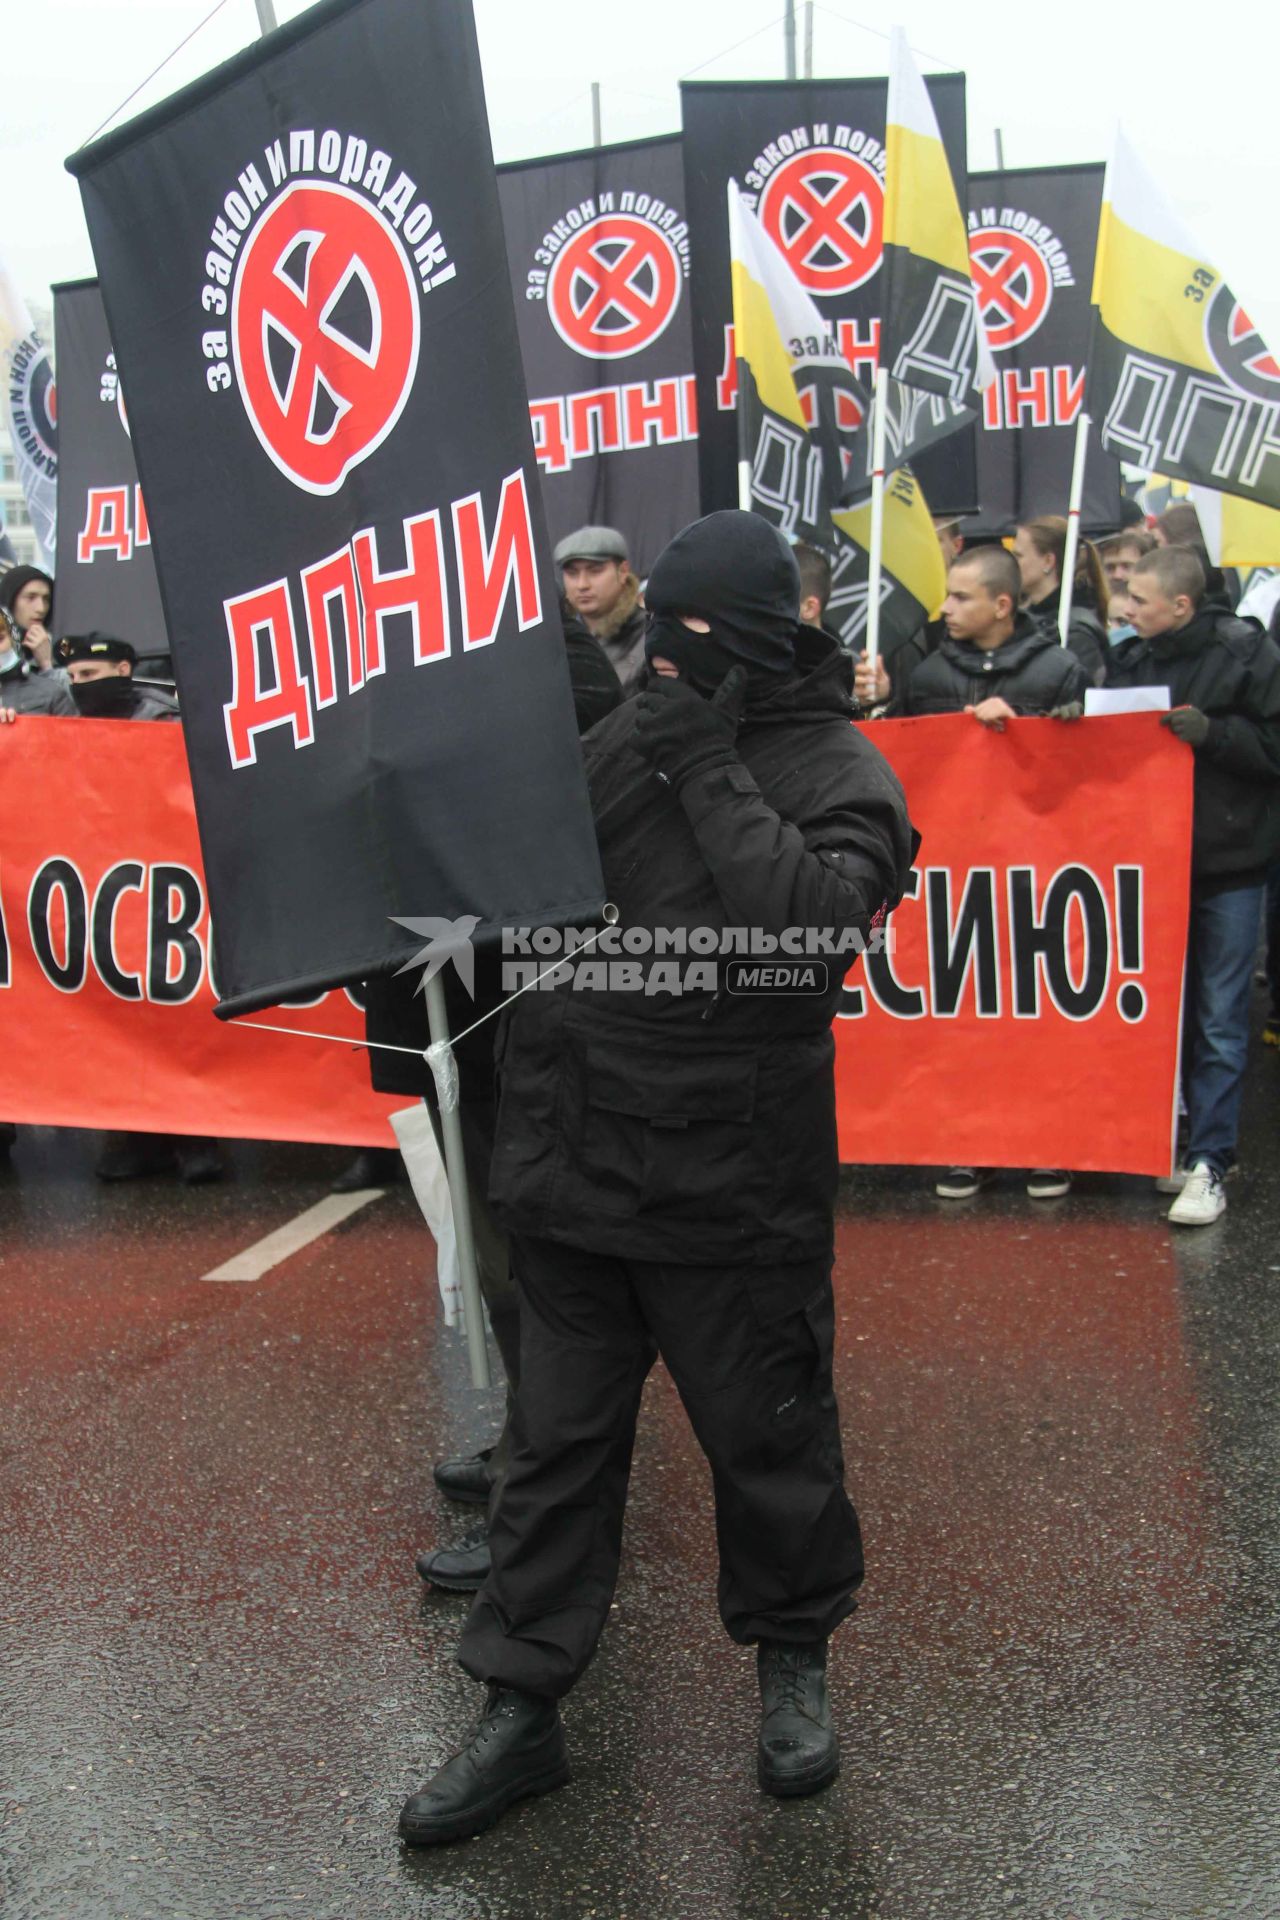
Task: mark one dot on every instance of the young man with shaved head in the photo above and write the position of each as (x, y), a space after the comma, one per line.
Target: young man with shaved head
(996, 663)
(1223, 678)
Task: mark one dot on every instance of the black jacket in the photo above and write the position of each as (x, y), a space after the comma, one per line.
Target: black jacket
(1086, 635)
(1030, 671)
(1231, 672)
(699, 1128)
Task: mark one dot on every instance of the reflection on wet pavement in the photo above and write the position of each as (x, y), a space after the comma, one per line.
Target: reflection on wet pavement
(1060, 1698)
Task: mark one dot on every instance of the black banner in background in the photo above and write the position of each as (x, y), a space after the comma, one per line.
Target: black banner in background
(808, 156)
(106, 571)
(599, 252)
(1032, 234)
(305, 280)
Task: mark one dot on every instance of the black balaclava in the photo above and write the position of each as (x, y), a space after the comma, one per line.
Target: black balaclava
(738, 573)
(12, 583)
(110, 697)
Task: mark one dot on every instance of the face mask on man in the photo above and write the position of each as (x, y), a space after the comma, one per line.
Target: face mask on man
(108, 698)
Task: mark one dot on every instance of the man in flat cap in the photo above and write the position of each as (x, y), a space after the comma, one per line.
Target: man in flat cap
(100, 669)
(601, 591)
(665, 1160)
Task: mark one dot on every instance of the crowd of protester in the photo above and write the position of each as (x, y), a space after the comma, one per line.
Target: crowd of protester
(1138, 617)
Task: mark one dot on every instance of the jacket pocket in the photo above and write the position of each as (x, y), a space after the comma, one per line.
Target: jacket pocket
(664, 1133)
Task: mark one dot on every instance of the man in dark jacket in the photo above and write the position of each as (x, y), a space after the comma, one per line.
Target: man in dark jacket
(995, 662)
(601, 591)
(666, 1162)
(1223, 677)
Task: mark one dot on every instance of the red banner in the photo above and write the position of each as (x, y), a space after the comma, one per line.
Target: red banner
(106, 998)
(1025, 1009)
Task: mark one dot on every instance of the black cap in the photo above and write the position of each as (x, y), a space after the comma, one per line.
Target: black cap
(94, 646)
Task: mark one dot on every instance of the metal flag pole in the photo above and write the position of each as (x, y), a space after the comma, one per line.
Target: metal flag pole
(744, 463)
(596, 139)
(1073, 527)
(445, 1071)
(266, 16)
(879, 394)
(808, 39)
(789, 38)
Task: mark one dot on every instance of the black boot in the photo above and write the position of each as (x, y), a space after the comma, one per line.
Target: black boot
(465, 1479)
(517, 1751)
(460, 1569)
(372, 1167)
(798, 1752)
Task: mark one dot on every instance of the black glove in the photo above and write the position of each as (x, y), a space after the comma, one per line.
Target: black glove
(1189, 724)
(680, 734)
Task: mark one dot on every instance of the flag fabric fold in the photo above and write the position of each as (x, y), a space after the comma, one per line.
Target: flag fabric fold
(802, 437)
(931, 331)
(1180, 381)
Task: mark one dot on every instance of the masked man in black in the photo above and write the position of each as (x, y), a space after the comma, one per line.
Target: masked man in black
(666, 1162)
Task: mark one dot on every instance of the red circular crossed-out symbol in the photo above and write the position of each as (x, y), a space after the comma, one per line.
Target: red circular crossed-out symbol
(824, 210)
(1238, 349)
(614, 287)
(1013, 282)
(321, 398)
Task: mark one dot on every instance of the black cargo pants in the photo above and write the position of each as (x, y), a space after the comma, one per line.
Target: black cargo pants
(750, 1353)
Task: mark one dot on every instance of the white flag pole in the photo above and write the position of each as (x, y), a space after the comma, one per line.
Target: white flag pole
(444, 1068)
(878, 396)
(737, 251)
(1073, 527)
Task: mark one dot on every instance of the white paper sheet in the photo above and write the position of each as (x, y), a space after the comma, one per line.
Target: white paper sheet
(1125, 700)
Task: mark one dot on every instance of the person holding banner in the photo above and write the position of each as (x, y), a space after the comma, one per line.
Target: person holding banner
(666, 1162)
(1223, 679)
(1039, 547)
(996, 663)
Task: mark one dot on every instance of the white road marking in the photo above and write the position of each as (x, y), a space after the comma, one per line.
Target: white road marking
(294, 1235)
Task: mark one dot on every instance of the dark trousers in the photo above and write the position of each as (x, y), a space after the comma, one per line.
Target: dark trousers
(750, 1353)
(1220, 960)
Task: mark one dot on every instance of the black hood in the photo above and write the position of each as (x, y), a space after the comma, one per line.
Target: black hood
(12, 583)
(737, 573)
(820, 684)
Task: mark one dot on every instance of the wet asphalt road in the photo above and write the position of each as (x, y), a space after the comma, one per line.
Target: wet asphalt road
(1060, 1698)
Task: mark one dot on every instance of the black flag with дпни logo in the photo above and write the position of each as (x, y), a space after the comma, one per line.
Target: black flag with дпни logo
(305, 279)
(106, 570)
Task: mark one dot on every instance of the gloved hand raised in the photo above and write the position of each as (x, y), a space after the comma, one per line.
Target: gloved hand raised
(681, 734)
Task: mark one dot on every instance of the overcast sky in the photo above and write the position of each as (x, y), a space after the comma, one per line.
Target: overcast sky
(1195, 87)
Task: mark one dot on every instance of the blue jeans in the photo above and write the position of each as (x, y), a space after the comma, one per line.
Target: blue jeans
(1273, 938)
(1222, 944)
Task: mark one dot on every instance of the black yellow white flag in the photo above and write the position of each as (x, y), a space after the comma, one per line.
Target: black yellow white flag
(914, 579)
(801, 412)
(1237, 533)
(1180, 381)
(931, 330)
(804, 450)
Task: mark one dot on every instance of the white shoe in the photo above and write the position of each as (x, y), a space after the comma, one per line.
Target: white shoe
(1174, 1182)
(1202, 1200)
